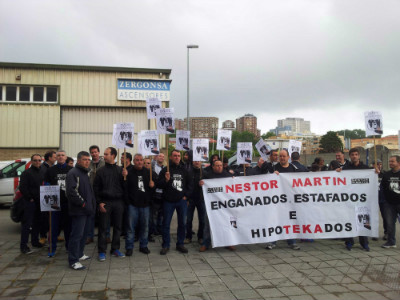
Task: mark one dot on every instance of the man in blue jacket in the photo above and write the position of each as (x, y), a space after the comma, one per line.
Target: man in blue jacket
(82, 206)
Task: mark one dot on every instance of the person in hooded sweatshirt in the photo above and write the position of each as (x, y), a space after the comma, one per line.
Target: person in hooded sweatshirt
(82, 206)
(177, 188)
(56, 175)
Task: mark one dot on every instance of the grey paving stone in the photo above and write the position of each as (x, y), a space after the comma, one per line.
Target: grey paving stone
(246, 294)
(43, 289)
(140, 293)
(260, 284)
(292, 291)
(165, 283)
(118, 294)
(221, 295)
(201, 296)
(193, 289)
(68, 288)
(138, 284)
(93, 286)
(207, 272)
(301, 297)
(62, 296)
(325, 297)
(16, 292)
(215, 287)
(119, 285)
(356, 287)
(167, 291)
(270, 292)
(372, 296)
(349, 296)
(39, 297)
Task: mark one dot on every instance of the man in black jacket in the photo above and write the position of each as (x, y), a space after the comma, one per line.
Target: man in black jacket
(356, 164)
(108, 187)
(177, 187)
(56, 175)
(390, 186)
(31, 180)
(295, 156)
(82, 206)
(138, 195)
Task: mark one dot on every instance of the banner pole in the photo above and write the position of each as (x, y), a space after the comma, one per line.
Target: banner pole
(117, 156)
(167, 153)
(375, 165)
(50, 232)
(151, 168)
(222, 157)
(124, 162)
(244, 169)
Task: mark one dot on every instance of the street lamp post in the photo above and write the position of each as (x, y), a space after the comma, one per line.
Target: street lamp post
(187, 117)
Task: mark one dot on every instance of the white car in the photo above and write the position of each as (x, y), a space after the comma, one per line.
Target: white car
(10, 172)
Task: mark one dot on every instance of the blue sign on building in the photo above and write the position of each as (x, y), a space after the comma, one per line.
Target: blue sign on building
(143, 89)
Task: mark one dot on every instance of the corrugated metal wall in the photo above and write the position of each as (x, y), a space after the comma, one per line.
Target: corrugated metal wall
(29, 126)
(83, 127)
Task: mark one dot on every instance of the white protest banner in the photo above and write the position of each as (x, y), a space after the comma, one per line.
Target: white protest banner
(123, 135)
(271, 207)
(373, 123)
(244, 153)
(148, 142)
(200, 149)
(50, 198)
(263, 149)
(165, 120)
(182, 140)
(294, 146)
(152, 104)
(224, 139)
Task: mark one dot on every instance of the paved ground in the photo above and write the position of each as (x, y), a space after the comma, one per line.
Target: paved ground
(320, 270)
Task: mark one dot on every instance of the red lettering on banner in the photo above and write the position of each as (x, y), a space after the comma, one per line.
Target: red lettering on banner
(317, 181)
(247, 187)
(264, 186)
(306, 228)
(287, 228)
(297, 182)
(307, 182)
(273, 184)
(341, 180)
(229, 188)
(255, 185)
(317, 229)
(327, 180)
(296, 229)
(238, 188)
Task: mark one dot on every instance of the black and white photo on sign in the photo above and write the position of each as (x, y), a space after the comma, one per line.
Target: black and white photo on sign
(263, 149)
(224, 139)
(373, 123)
(152, 104)
(177, 182)
(244, 153)
(200, 149)
(165, 121)
(50, 198)
(149, 143)
(363, 218)
(123, 135)
(294, 146)
(183, 140)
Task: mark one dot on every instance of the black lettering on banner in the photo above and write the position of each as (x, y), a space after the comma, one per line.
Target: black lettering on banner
(348, 227)
(255, 233)
(292, 215)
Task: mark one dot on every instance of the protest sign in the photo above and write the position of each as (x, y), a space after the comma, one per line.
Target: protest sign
(165, 120)
(294, 146)
(182, 140)
(263, 149)
(244, 153)
(373, 123)
(152, 104)
(50, 198)
(271, 207)
(224, 139)
(200, 149)
(148, 142)
(123, 135)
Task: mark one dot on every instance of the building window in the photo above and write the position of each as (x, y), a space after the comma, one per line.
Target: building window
(11, 93)
(24, 93)
(27, 94)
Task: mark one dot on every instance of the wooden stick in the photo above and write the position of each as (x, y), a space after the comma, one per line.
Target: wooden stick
(151, 168)
(376, 165)
(117, 156)
(50, 232)
(124, 162)
(244, 169)
(201, 175)
(222, 157)
(167, 153)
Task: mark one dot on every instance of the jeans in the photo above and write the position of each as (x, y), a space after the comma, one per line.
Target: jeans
(206, 232)
(390, 216)
(363, 241)
(193, 204)
(114, 211)
(77, 239)
(30, 219)
(137, 215)
(60, 220)
(181, 210)
(44, 224)
(156, 218)
(91, 223)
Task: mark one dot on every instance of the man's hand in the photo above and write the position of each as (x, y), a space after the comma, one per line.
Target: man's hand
(102, 209)
(124, 172)
(276, 172)
(151, 184)
(201, 182)
(167, 176)
(339, 170)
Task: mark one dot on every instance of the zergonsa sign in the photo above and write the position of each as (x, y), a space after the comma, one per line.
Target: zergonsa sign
(267, 208)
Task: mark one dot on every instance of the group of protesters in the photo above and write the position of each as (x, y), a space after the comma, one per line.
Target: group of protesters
(138, 200)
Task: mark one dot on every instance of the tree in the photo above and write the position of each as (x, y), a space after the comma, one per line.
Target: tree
(242, 137)
(352, 134)
(330, 142)
(267, 135)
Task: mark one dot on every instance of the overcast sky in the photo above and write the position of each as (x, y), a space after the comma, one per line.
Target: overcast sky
(324, 61)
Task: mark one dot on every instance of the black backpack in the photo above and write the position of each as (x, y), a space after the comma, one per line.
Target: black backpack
(17, 210)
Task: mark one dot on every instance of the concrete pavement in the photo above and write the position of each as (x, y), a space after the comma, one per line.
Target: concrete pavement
(323, 269)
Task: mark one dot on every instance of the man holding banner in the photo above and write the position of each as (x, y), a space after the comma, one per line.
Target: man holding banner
(177, 187)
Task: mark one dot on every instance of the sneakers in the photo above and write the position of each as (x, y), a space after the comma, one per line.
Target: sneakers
(60, 239)
(164, 251)
(203, 249)
(388, 245)
(43, 240)
(51, 254)
(26, 250)
(182, 249)
(294, 247)
(144, 250)
(84, 257)
(349, 246)
(270, 246)
(187, 241)
(365, 247)
(118, 253)
(129, 252)
(78, 266)
(102, 256)
(231, 248)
